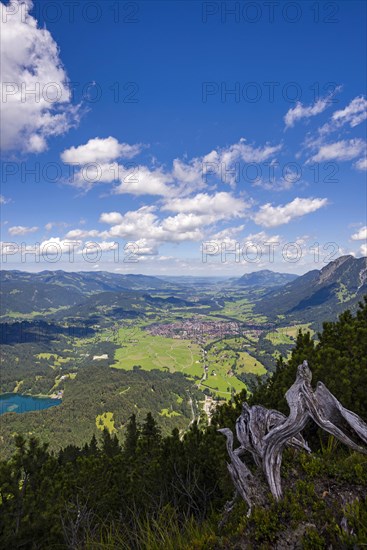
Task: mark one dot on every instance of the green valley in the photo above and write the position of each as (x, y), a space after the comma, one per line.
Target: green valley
(190, 342)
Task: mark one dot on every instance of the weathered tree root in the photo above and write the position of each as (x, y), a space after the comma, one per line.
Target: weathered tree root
(264, 433)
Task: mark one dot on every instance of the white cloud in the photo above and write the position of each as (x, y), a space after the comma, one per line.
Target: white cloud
(245, 152)
(262, 237)
(30, 62)
(271, 216)
(361, 164)
(363, 249)
(133, 224)
(360, 235)
(55, 245)
(139, 224)
(101, 151)
(97, 162)
(111, 218)
(87, 175)
(225, 163)
(143, 181)
(4, 200)
(340, 150)
(222, 205)
(299, 111)
(21, 230)
(286, 181)
(190, 174)
(220, 163)
(51, 225)
(145, 246)
(185, 226)
(227, 234)
(81, 234)
(353, 114)
(93, 247)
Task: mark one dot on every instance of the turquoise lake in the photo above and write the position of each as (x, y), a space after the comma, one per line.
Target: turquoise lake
(13, 402)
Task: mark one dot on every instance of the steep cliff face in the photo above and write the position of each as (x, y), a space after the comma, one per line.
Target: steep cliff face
(335, 269)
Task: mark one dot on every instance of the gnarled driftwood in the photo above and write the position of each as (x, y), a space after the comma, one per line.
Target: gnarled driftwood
(264, 433)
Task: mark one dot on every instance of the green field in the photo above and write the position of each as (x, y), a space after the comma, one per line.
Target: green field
(287, 335)
(138, 347)
(293, 330)
(222, 385)
(225, 360)
(278, 337)
(247, 363)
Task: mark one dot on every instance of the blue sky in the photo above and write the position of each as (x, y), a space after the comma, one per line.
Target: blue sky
(165, 135)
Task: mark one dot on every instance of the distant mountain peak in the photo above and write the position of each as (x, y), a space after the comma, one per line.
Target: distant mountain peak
(265, 278)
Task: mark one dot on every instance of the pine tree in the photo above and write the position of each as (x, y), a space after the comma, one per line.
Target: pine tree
(110, 444)
(131, 438)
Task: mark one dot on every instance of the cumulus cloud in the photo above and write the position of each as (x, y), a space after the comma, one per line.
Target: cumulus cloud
(360, 235)
(111, 218)
(137, 224)
(299, 111)
(193, 175)
(340, 150)
(190, 174)
(142, 181)
(363, 249)
(221, 205)
(99, 163)
(192, 218)
(145, 247)
(271, 216)
(134, 223)
(55, 245)
(100, 150)
(36, 102)
(21, 230)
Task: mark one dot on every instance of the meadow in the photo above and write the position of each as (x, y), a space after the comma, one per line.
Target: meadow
(139, 348)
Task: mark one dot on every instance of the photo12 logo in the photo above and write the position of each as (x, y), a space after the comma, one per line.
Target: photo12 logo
(72, 173)
(84, 93)
(267, 91)
(74, 11)
(54, 251)
(265, 252)
(270, 12)
(270, 175)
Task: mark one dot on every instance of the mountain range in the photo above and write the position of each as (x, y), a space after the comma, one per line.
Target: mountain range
(25, 292)
(265, 278)
(317, 294)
